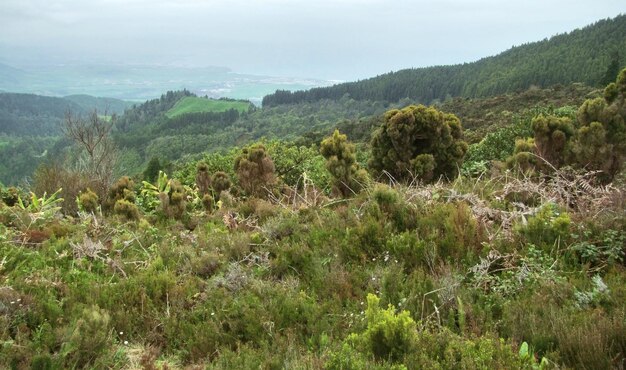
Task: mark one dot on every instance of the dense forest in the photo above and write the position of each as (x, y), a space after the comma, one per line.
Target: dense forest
(591, 55)
(412, 250)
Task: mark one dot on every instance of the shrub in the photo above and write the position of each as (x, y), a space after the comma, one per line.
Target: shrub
(547, 227)
(88, 201)
(221, 182)
(389, 336)
(88, 338)
(552, 136)
(126, 209)
(523, 158)
(255, 170)
(600, 142)
(9, 195)
(123, 189)
(341, 163)
(203, 179)
(418, 141)
(49, 178)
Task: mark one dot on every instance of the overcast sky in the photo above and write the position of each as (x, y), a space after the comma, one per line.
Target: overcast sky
(330, 39)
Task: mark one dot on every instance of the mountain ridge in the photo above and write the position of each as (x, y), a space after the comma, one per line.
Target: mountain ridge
(582, 55)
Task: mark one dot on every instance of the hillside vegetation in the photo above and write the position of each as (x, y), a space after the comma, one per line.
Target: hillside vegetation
(274, 255)
(194, 104)
(591, 55)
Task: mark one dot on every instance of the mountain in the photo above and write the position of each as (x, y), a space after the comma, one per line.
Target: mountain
(586, 55)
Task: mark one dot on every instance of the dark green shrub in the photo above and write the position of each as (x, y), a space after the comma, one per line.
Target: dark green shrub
(123, 189)
(221, 182)
(418, 141)
(348, 178)
(203, 179)
(523, 158)
(152, 170)
(255, 170)
(552, 136)
(10, 195)
(600, 142)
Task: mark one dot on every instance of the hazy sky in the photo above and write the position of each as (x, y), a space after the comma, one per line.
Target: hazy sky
(340, 39)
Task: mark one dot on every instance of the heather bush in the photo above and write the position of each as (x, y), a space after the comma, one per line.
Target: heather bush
(418, 142)
(255, 170)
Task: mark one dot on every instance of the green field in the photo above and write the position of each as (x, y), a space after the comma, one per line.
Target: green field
(192, 104)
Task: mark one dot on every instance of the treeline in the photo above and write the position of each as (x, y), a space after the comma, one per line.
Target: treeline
(592, 55)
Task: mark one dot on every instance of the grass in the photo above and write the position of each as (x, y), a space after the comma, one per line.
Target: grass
(192, 104)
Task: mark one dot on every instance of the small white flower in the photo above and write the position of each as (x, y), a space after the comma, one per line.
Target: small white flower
(212, 313)
(373, 279)
(12, 302)
(373, 259)
(125, 342)
(121, 333)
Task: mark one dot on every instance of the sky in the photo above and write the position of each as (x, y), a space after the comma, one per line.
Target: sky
(328, 39)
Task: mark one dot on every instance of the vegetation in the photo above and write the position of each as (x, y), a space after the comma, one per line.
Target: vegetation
(341, 164)
(192, 104)
(287, 254)
(418, 142)
(585, 55)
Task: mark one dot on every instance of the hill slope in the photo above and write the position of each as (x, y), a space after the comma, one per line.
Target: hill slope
(585, 55)
(194, 104)
(103, 105)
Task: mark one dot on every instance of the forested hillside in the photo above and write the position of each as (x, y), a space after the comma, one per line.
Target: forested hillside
(591, 55)
(30, 127)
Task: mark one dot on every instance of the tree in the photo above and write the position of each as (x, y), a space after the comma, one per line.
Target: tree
(255, 170)
(341, 163)
(97, 155)
(418, 141)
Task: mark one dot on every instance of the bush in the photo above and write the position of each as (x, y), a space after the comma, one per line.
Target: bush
(88, 201)
(255, 170)
(88, 338)
(126, 209)
(123, 189)
(547, 227)
(341, 163)
(221, 182)
(203, 179)
(418, 141)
